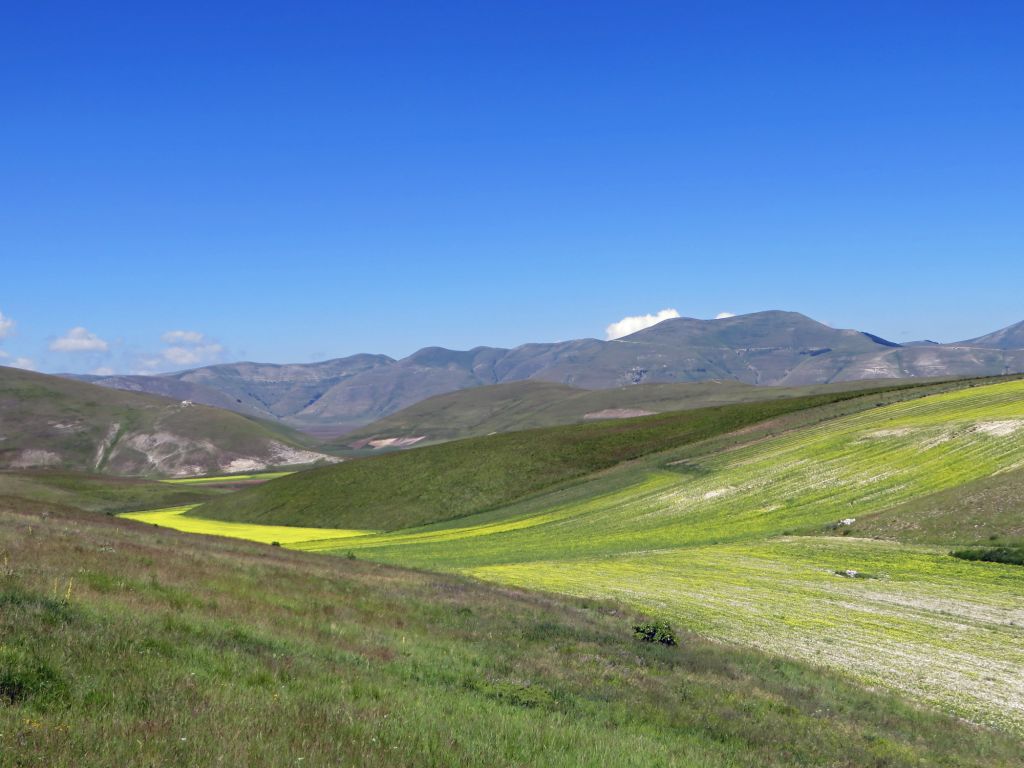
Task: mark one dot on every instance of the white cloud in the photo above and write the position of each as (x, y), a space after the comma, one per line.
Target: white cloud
(724, 315)
(3, 354)
(186, 348)
(6, 326)
(79, 340)
(192, 355)
(103, 371)
(24, 362)
(628, 325)
(181, 355)
(183, 337)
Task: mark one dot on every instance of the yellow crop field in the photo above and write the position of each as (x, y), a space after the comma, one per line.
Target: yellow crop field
(225, 478)
(174, 517)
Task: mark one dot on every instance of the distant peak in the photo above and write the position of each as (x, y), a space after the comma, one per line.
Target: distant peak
(1010, 337)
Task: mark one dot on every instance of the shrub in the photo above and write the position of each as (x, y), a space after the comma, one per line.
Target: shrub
(1006, 555)
(655, 632)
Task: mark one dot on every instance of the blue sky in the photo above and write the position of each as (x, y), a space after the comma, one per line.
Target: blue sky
(296, 181)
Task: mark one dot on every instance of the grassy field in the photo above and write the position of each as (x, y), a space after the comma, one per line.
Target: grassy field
(919, 621)
(124, 644)
(457, 479)
(987, 511)
(705, 537)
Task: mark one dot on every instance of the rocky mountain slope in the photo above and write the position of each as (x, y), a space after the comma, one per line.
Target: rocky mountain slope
(1011, 337)
(49, 421)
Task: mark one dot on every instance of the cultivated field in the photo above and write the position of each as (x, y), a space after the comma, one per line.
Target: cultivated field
(174, 517)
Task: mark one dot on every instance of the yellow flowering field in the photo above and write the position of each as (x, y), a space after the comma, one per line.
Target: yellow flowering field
(174, 517)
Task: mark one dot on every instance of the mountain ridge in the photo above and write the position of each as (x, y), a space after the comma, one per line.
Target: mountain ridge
(1010, 337)
(770, 348)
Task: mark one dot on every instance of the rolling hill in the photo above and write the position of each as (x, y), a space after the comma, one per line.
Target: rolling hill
(54, 422)
(532, 404)
(455, 479)
(764, 348)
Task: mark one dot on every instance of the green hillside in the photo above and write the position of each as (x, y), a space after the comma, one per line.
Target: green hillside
(53, 422)
(455, 479)
(533, 404)
(704, 537)
(173, 650)
(93, 493)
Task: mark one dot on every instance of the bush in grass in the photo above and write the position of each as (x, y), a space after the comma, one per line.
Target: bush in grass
(1006, 555)
(655, 632)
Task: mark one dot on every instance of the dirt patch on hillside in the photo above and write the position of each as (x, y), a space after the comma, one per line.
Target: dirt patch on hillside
(617, 413)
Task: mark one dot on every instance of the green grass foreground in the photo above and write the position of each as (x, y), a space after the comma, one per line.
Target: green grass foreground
(126, 645)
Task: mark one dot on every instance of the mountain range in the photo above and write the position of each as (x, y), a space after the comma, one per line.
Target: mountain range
(772, 348)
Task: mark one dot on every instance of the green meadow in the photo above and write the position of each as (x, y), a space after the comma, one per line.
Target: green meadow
(732, 544)
(126, 644)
